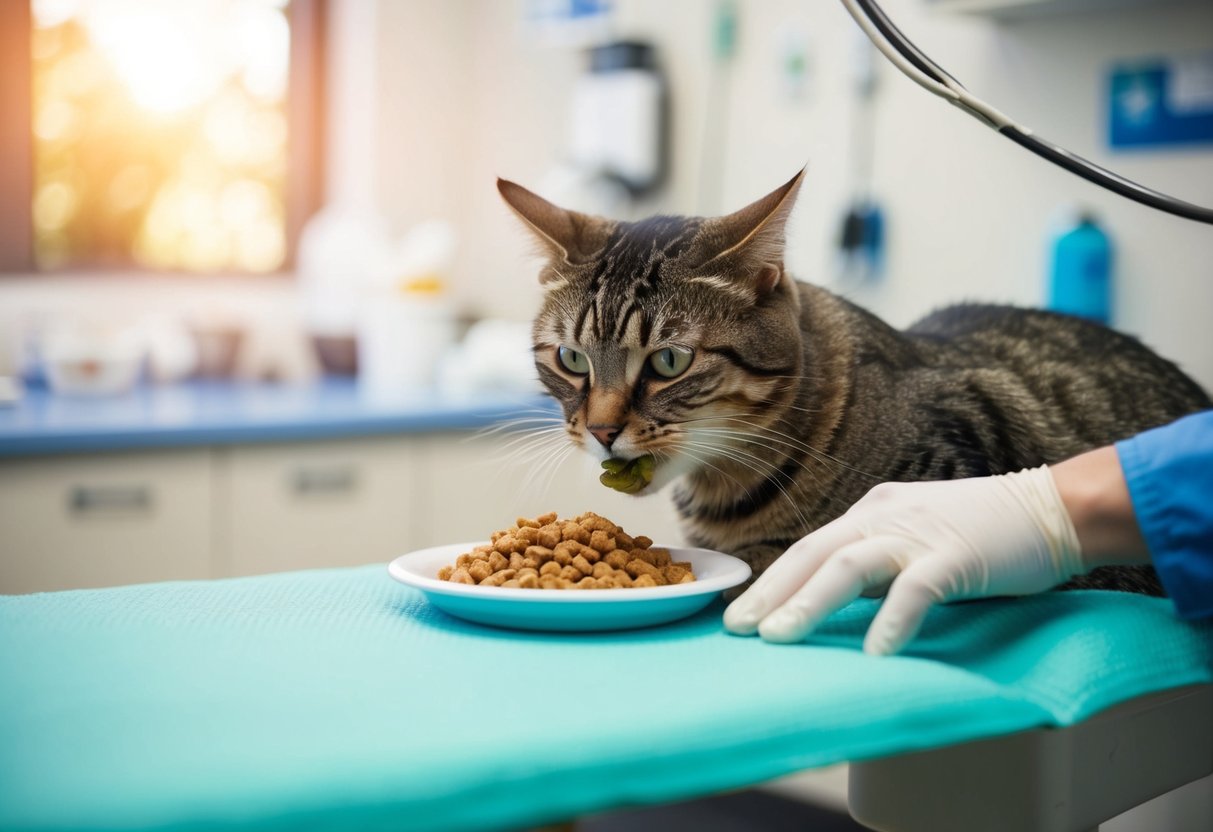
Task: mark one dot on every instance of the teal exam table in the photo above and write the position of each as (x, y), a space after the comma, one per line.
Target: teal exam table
(339, 699)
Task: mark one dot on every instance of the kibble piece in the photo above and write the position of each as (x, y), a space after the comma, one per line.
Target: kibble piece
(582, 565)
(480, 570)
(526, 570)
(461, 576)
(573, 531)
(551, 568)
(546, 519)
(587, 583)
(674, 574)
(528, 581)
(623, 540)
(549, 536)
(549, 582)
(617, 559)
(644, 580)
(601, 541)
(524, 523)
(504, 544)
(463, 560)
(595, 523)
(539, 554)
(498, 561)
(661, 557)
(444, 574)
(571, 573)
(511, 584)
(637, 567)
(642, 542)
(602, 570)
(498, 578)
(622, 579)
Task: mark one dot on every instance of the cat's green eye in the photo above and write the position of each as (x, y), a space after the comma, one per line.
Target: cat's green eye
(671, 362)
(573, 361)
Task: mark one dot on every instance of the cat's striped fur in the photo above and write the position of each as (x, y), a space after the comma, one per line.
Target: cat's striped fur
(796, 402)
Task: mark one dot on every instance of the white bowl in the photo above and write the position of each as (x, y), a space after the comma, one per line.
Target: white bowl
(569, 610)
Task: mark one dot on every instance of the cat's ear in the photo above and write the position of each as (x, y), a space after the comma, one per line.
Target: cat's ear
(567, 235)
(752, 239)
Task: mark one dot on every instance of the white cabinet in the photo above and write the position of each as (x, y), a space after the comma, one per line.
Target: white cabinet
(102, 520)
(306, 505)
(138, 516)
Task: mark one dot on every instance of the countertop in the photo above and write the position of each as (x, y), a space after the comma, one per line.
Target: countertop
(226, 413)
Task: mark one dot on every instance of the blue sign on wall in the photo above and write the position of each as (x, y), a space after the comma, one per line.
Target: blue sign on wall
(1165, 101)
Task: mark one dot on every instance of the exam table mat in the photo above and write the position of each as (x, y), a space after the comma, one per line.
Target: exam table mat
(341, 699)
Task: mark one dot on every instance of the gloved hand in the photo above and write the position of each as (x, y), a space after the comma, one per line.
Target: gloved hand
(936, 541)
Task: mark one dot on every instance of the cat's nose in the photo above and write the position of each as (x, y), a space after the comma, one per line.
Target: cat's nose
(606, 434)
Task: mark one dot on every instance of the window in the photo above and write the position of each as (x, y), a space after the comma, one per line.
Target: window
(168, 136)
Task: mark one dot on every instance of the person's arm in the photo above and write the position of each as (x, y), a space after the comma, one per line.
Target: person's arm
(1093, 490)
(1013, 534)
(1169, 475)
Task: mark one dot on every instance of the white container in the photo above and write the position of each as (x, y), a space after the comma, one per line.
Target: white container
(83, 359)
(401, 340)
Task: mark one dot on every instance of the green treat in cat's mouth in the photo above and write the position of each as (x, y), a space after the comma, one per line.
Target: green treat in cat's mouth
(628, 475)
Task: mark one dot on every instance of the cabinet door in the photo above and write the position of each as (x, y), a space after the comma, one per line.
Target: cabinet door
(74, 522)
(316, 504)
(480, 483)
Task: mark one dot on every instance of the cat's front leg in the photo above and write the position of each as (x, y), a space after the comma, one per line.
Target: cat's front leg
(759, 556)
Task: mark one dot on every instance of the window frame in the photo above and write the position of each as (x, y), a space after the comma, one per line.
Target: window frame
(304, 186)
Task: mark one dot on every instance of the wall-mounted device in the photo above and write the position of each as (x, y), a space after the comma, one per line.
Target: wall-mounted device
(620, 116)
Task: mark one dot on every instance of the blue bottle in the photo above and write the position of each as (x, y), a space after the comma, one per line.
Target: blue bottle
(1080, 278)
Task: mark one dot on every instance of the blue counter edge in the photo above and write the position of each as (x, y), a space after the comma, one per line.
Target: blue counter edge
(209, 414)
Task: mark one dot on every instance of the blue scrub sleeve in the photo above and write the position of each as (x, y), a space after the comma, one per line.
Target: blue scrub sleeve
(1169, 471)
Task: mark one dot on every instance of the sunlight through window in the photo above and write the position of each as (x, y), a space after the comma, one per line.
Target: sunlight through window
(160, 134)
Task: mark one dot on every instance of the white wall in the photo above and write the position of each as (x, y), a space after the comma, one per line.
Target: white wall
(463, 93)
(466, 94)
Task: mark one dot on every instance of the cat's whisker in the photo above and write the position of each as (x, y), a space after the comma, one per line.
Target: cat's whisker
(545, 461)
(742, 458)
(742, 436)
(553, 466)
(529, 446)
(815, 474)
(705, 461)
(520, 423)
(820, 454)
(540, 433)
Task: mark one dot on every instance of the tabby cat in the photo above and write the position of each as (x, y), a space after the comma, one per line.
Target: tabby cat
(773, 405)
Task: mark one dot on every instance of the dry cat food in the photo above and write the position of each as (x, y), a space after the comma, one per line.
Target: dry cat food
(586, 552)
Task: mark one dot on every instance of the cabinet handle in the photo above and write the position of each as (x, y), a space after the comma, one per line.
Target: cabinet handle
(330, 479)
(86, 499)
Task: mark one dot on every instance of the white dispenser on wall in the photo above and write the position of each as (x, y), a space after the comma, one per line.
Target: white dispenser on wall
(620, 115)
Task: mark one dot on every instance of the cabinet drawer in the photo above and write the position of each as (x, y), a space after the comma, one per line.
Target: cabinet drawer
(319, 504)
(482, 483)
(74, 522)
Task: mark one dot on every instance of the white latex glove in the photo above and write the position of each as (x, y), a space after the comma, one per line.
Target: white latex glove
(936, 541)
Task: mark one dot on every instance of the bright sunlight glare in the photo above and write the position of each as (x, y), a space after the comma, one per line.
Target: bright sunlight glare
(160, 133)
